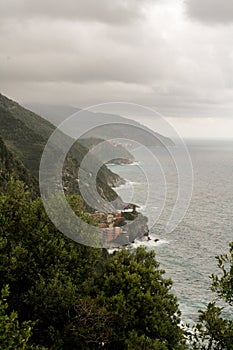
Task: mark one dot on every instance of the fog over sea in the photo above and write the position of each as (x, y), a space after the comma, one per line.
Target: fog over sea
(188, 253)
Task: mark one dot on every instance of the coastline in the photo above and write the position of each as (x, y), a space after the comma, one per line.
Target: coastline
(144, 238)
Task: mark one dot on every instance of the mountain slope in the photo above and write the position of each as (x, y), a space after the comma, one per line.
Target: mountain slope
(23, 142)
(110, 149)
(33, 121)
(10, 166)
(25, 135)
(57, 114)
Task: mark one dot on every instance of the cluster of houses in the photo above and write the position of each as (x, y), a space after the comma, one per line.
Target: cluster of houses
(114, 228)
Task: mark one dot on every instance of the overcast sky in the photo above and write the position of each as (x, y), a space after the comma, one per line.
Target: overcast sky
(172, 55)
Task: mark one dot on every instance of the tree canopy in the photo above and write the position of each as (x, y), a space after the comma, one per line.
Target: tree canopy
(141, 310)
(44, 269)
(67, 296)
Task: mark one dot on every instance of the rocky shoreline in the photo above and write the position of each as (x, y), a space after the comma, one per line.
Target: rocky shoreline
(137, 229)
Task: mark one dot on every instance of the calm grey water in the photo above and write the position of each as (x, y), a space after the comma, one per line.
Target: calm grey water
(188, 253)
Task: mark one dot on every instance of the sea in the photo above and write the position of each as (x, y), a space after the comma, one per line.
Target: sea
(188, 253)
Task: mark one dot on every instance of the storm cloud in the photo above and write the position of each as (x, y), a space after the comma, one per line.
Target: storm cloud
(211, 11)
(164, 54)
(105, 11)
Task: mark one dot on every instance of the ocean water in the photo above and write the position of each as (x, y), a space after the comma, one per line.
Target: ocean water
(188, 253)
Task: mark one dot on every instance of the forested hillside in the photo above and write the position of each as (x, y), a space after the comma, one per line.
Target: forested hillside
(25, 134)
(10, 166)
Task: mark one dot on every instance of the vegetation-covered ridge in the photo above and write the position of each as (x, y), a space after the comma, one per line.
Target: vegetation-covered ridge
(25, 134)
(10, 166)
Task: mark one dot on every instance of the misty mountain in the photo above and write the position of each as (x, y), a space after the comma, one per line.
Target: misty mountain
(119, 127)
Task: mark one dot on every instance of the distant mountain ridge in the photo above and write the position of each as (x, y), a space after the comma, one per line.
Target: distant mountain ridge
(57, 114)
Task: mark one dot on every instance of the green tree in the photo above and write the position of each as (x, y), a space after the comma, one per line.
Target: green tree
(214, 331)
(78, 299)
(45, 269)
(89, 326)
(144, 313)
(12, 335)
(223, 285)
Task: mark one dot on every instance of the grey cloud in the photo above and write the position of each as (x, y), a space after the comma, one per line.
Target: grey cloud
(105, 11)
(210, 11)
(65, 54)
(72, 68)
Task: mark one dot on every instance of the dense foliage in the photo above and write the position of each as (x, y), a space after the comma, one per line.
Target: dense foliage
(141, 312)
(12, 336)
(10, 166)
(76, 297)
(214, 331)
(45, 270)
